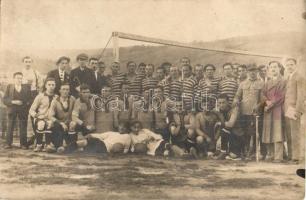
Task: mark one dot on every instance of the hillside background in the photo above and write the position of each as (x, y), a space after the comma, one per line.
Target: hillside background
(286, 43)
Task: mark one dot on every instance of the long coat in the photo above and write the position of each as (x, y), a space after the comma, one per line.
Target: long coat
(273, 126)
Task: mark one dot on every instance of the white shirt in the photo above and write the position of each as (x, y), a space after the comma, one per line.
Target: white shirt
(145, 136)
(110, 138)
(29, 77)
(61, 74)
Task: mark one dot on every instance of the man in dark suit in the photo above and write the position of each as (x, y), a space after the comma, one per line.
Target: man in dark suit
(60, 75)
(100, 80)
(81, 75)
(17, 99)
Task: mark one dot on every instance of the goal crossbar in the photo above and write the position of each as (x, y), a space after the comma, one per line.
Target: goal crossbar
(128, 36)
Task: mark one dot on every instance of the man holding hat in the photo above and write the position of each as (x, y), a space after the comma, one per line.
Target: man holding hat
(81, 75)
(248, 99)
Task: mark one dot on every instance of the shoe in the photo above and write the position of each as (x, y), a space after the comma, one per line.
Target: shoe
(232, 156)
(193, 153)
(38, 148)
(269, 159)
(60, 150)
(277, 161)
(221, 156)
(50, 148)
(23, 147)
(166, 153)
(8, 147)
(210, 155)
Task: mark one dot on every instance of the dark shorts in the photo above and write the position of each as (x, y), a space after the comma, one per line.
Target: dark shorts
(95, 145)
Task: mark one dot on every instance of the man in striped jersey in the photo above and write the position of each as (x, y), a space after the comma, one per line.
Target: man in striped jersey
(173, 86)
(228, 85)
(208, 86)
(189, 84)
(117, 79)
(149, 82)
(166, 66)
(198, 75)
(133, 79)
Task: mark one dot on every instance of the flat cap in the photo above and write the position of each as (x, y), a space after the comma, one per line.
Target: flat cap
(82, 56)
(251, 67)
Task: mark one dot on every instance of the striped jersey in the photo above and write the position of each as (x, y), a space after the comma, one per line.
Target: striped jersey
(163, 84)
(135, 85)
(188, 92)
(209, 88)
(173, 89)
(116, 83)
(228, 86)
(149, 83)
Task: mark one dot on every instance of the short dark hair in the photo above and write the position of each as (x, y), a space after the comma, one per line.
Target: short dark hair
(288, 59)
(261, 66)
(65, 84)
(223, 96)
(92, 58)
(84, 87)
(160, 67)
(26, 57)
(209, 65)
(49, 79)
(185, 57)
(165, 64)
(17, 73)
(116, 63)
(100, 62)
(135, 122)
(61, 59)
(242, 66)
(141, 64)
(226, 64)
(186, 65)
(151, 66)
(130, 62)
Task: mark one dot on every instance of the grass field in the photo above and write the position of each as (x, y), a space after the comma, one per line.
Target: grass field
(28, 175)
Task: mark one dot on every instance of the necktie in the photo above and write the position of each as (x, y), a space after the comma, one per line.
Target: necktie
(62, 75)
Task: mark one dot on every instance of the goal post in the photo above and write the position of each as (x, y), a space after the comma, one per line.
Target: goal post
(120, 35)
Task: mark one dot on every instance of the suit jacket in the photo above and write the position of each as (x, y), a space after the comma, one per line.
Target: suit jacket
(79, 77)
(291, 92)
(99, 83)
(9, 96)
(55, 74)
(301, 94)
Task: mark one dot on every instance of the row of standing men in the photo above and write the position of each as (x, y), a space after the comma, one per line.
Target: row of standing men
(240, 96)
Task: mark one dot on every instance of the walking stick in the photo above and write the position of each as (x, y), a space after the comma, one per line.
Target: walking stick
(257, 139)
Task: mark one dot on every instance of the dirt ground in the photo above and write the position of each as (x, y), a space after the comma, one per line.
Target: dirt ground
(28, 175)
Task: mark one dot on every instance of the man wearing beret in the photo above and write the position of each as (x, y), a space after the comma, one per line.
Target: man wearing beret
(81, 75)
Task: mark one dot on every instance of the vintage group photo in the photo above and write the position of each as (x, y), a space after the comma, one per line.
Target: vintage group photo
(152, 99)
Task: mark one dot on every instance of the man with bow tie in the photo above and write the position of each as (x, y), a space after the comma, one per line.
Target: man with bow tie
(60, 75)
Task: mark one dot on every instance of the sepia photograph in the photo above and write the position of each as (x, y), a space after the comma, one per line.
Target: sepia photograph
(155, 99)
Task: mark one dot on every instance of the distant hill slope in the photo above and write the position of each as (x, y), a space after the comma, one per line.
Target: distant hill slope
(287, 43)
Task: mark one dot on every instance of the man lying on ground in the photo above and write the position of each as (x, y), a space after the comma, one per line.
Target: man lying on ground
(108, 142)
(145, 141)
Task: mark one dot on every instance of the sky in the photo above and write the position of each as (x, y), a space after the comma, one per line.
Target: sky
(87, 24)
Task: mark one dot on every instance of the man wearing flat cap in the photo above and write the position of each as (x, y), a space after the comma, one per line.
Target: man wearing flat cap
(60, 74)
(81, 75)
(248, 99)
